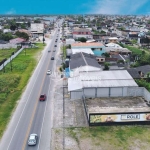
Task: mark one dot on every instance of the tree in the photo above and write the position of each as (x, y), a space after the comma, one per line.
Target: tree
(6, 27)
(6, 36)
(37, 21)
(68, 46)
(106, 66)
(13, 27)
(82, 39)
(23, 26)
(28, 24)
(120, 61)
(22, 35)
(106, 55)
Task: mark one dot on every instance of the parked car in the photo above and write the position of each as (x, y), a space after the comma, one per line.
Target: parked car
(49, 72)
(49, 50)
(52, 58)
(55, 45)
(42, 97)
(32, 139)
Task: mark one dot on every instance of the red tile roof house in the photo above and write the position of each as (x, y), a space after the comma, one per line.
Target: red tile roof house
(17, 41)
(82, 32)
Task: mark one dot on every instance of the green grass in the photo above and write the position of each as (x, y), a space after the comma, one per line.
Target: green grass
(134, 49)
(73, 134)
(114, 136)
(13, 82)
(6, 53)
(64, 51)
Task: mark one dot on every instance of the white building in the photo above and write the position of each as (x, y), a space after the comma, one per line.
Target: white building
(100, 84)
(37, 28)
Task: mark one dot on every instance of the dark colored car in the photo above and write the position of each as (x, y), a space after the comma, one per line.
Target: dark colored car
(52, 58)
(55, 45)
(42, 97)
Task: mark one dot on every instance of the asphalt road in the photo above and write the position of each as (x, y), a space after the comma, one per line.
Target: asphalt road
(32, 115)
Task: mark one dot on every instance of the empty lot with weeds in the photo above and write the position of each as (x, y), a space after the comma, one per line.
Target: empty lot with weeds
(103, 138)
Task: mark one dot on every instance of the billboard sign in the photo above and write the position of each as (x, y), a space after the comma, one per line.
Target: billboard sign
(131, 117)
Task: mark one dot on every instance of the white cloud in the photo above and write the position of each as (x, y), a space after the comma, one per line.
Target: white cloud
(117, 6)
(11, 11)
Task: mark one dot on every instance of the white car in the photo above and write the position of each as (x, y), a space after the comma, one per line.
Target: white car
(32, 139)
(49, 72)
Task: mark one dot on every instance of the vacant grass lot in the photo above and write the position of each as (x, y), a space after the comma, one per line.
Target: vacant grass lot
(6, 53)
(134, 50)
(105, 138)
(13, 82)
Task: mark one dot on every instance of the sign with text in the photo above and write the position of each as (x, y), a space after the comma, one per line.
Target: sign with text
(100, 118)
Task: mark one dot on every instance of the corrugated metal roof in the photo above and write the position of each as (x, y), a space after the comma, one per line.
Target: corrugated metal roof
(85, 50)
(116, 78)
(83, 59)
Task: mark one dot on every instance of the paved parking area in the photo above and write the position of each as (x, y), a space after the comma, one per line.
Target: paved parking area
(73, 110)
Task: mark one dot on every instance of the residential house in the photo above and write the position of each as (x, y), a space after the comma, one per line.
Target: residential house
(97, 48)
(17, 41)
(6, 45)
(70, 41)
(133, 35)
(82, 32)
(114, 48)
(125, 41)
(83, 62)
(6, 30)
(113, 40)
(144, 71)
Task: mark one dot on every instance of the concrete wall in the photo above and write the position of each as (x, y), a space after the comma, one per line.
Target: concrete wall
(12, 57)
(111, 92)
(7, 46)
(76, 94)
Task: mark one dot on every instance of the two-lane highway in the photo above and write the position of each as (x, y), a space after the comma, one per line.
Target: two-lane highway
(32, 115)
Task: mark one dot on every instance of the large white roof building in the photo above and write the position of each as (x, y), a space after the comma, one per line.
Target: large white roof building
(37, 28)
(116, 78)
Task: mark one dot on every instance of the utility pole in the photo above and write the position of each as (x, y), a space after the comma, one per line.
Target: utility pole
(63, 97)
(11, 61)
(25, 51)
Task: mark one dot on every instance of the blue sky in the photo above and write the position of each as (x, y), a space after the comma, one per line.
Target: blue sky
(75, 7)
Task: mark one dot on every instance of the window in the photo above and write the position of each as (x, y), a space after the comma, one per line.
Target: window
(87, 33)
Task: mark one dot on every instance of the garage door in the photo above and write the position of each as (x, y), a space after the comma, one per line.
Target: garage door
(115, 92)
(102, 92)
(90, 92)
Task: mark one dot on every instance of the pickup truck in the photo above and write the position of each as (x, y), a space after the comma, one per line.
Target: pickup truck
(42, 97)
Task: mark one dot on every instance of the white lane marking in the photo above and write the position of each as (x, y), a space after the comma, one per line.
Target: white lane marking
(26, 102)
(43, 117)
(45, 109)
